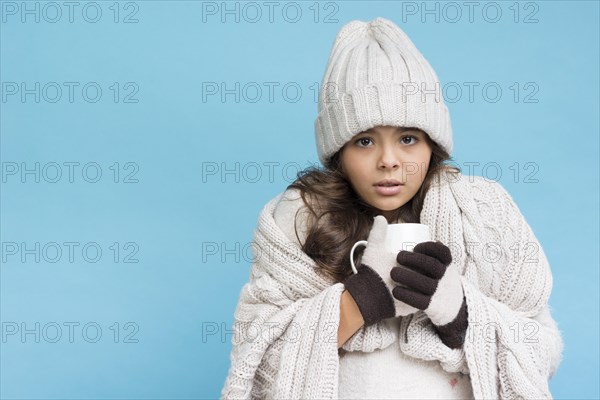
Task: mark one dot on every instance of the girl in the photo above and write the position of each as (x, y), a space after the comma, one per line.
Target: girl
(464, 315)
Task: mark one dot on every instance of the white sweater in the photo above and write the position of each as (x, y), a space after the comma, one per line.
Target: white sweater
(383, 373)
(390, 374)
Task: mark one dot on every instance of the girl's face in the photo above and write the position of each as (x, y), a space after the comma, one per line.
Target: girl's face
(386, 165)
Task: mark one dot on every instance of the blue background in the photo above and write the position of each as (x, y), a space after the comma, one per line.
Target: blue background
(202, 169)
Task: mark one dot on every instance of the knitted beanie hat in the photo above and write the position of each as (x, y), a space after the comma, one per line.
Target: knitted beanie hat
(376, 76)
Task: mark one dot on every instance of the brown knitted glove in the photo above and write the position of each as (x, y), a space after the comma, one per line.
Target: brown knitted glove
(429, 282)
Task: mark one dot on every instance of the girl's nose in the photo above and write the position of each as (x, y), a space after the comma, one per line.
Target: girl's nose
(388, 159)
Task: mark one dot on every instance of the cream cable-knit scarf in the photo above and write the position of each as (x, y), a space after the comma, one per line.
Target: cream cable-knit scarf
(285, 332)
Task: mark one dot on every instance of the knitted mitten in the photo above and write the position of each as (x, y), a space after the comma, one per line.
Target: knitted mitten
(428, 282)
(372, 286)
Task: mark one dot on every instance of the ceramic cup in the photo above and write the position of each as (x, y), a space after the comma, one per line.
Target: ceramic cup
(399, 237)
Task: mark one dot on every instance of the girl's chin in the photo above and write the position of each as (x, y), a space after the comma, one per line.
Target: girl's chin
(385, 203)
(389, 205)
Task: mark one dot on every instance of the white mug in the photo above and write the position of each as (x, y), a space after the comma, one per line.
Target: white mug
(399, 237)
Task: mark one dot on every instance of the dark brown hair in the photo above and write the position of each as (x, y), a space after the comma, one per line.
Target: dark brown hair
(338, 217)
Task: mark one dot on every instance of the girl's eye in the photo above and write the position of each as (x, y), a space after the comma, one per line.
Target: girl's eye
(409, 137)
(363, 142)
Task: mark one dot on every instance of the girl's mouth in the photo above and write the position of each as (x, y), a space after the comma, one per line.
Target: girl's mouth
(388, 188)
(389, 182)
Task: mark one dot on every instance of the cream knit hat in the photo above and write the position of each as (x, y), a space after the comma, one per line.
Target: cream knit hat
(376, 76)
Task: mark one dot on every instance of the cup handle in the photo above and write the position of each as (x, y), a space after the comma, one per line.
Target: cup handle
(359, 243)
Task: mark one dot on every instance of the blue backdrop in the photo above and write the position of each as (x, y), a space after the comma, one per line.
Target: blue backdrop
(139, 141)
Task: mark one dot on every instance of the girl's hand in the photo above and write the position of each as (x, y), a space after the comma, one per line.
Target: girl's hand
(428, 282)
(371, 288)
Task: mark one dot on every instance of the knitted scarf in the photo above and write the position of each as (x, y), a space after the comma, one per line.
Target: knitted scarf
(284, 344)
